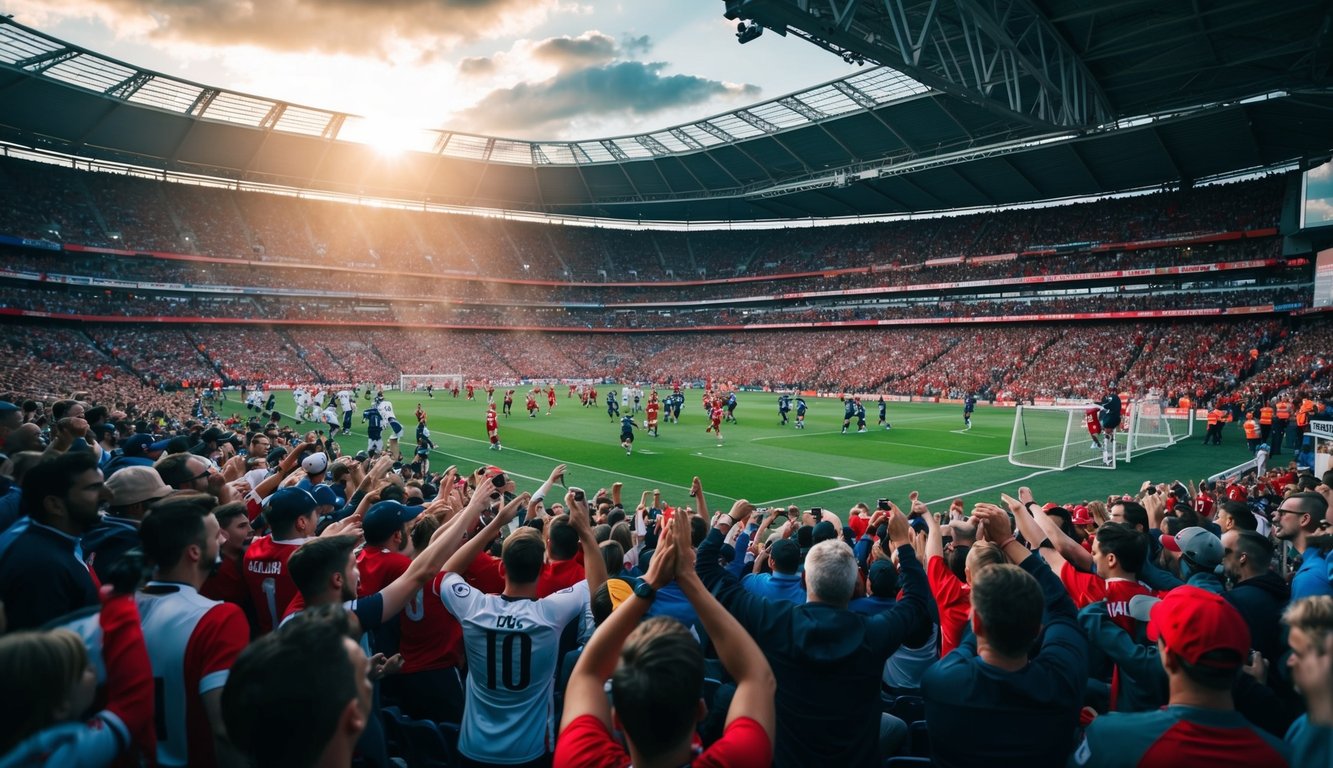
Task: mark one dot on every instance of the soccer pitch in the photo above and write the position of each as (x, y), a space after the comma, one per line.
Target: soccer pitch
(926, 451)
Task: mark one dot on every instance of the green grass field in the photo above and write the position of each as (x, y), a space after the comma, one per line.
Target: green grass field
(769, 464)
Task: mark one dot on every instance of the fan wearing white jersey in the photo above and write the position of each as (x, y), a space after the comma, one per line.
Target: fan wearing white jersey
(512, 641)
(346, 404)
(192, 641)
(386, 411)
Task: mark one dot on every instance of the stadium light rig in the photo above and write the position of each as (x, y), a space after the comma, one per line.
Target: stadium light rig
(747, 31)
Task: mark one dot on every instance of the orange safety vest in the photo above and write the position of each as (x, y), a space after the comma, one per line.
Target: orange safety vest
(1185, 404)
(1283, 410)
(1302, 418)
(1266, 416)
(1214, 416)
(1251, 429)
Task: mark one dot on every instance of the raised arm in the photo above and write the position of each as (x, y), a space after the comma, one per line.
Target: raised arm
(594, 567)
(934, 538)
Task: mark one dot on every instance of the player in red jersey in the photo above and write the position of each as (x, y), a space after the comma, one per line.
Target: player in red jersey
(550, 398)
(192, 641)
(715, 420)
(532, 405)
(1092, 418)
(292, 520)
(493, 427)
(471, 391)
(651, 410)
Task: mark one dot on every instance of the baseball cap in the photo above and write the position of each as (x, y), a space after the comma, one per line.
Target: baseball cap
(6, 406)
(785, 555)
(132, 485)
(1082, 516)
(326, 496)
(1193, 622)
(216, 435)
(385, 517)
(1200, 546)
(883, 578)
(288, 504)
(315, 463)
(824, 530)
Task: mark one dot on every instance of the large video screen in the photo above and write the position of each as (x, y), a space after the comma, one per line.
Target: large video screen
(1317, 196)
(1323, 279)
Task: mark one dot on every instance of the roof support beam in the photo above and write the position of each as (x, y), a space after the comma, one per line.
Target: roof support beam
(1000, 54)
(44, 61)
(129, 86)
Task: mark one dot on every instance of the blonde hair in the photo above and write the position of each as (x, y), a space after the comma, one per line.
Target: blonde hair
(982, 555)
(39, 669)
(1314, 617)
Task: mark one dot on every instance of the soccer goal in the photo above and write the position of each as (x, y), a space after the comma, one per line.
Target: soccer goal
(416, 382)
(1056, 436)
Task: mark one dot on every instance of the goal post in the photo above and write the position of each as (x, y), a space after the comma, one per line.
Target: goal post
(1053, 437)
(417, 382)
(1056, 436)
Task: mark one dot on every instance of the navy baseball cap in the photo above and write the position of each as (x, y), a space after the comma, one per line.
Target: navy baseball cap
(326, 496)
(6, 406)
(385, 517)
(288, 504)
(141, 445)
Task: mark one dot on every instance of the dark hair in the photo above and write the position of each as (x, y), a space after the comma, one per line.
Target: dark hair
(225, 513)
(315, 561)
(1215, 670)
(1256, 547)
(656, 686)
(698, 530)
(171, 526)
(1309, 502)
(1129, 546)
(173, 468)
(287, 690)
(614, 556)
(957, 562)
(1241, 515)
(1008, 602)
(564, 538)
(522, 555)
(60, 408)
(1135, 514)
(53, 477)
(424, 528)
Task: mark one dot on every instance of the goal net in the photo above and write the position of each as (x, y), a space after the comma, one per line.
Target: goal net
(1057, 437)
(417, 382)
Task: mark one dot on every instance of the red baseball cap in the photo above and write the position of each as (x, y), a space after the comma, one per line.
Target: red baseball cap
(1193, 622)
(1170, 543)
(1237, 493)
(1081, 516)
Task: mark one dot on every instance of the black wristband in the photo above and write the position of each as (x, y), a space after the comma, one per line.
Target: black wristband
(1046, 543)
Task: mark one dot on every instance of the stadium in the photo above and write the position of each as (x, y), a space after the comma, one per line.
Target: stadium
(1082, 249)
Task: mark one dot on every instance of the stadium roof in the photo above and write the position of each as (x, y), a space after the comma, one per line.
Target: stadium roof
(1165, 92)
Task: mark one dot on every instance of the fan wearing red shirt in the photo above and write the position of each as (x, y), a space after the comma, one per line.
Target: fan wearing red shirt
(227, 581)
(292, 520)
(1202, 641)
(1118, 552)
(381, 561)
(657, 670)
(192, 641)
(952, 594)
(562, 568)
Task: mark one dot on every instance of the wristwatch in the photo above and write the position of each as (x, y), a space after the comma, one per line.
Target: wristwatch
(645, 591)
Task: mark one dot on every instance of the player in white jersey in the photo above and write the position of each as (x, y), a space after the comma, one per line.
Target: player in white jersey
(396, 428)
(346, 404)
(512, 640)
(192, 641)
(329, 418)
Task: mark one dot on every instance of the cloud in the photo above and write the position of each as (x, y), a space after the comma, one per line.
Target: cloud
(356, 27)
(591, 47)
(476, 66)
(621, 88)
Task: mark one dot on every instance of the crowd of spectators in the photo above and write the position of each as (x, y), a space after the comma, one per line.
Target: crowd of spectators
(64, 205)
(178, 589)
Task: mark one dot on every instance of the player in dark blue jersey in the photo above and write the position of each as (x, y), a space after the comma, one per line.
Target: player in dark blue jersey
(731, 407)
(848, 412)
(969, 405)
(800, 412)
(1110, 417)
(860, 415)
(884, 413)
(627, 426)
(784, 407)
(612, 405)
(374, 422)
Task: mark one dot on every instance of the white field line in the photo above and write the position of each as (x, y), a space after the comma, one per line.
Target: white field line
(881, 480)
(765, 466)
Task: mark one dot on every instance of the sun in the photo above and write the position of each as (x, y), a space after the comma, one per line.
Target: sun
(388, 136)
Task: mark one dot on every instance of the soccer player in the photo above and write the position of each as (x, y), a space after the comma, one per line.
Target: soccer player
(550, 398)
(1110, 408)
(512, 639)
(493, 427)
(677, 401)
(731, 407)
(1093, 422)
(969, 405)
(345, 403)
(627, 425)
(508, 402)
(784, 407)
(860, 415)
(612, 404)
(386, 410)
(374, 421)
(800, 412)
(471, 391)
(192, 641)
(532, 404)
(430, 390)
(715, 420)
(848, 411)
(651, 411)
(884, 413)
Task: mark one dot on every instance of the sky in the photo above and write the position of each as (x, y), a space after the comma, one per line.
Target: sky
(526, 69)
